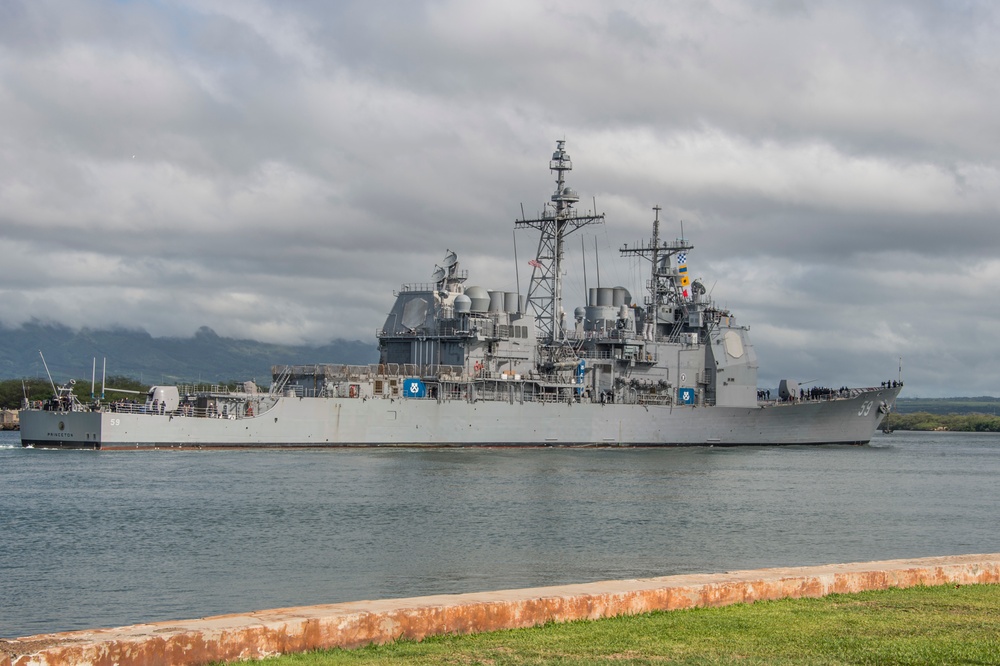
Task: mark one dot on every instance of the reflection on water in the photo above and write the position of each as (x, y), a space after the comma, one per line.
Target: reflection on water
(100, 539)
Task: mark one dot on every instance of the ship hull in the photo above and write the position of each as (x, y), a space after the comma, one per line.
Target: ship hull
(332, 422)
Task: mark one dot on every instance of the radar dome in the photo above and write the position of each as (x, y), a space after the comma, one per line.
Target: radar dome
(463, 304)
(479, 297)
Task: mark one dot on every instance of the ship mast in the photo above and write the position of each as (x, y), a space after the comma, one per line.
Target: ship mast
(558, 220)
(664, 291)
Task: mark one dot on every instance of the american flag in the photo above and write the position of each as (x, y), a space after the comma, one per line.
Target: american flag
(682, 258)
(534, 263)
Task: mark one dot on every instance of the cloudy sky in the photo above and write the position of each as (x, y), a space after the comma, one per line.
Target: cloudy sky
(274, 170)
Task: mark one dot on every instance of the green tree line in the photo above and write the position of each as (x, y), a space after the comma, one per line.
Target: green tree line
(952, 422)
(13, 391)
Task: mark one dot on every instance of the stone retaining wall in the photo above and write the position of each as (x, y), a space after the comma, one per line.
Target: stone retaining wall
(270, 632)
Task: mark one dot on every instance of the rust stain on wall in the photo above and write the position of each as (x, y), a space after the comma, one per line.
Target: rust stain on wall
(283, 630)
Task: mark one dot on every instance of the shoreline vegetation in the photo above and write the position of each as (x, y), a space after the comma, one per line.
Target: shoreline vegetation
(925, 421)
(945, 624)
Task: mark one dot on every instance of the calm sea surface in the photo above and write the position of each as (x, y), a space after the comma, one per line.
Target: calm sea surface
(90, 539)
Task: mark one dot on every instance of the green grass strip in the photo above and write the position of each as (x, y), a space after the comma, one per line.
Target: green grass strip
(919, 625)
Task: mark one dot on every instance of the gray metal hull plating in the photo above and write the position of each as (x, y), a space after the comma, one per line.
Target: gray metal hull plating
(331, 422)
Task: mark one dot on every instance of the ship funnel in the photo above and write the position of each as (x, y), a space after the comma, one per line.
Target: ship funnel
(510, 302)
(496, 301)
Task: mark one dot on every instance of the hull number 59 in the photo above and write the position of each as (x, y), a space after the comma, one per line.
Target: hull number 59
(865, 408)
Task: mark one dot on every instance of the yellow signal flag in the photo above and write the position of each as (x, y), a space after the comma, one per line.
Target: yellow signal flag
(685, 281)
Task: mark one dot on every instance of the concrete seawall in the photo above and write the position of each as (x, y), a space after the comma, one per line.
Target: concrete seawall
(270, 632)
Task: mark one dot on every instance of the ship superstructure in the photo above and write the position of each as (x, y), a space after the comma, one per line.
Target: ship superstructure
(462, 365)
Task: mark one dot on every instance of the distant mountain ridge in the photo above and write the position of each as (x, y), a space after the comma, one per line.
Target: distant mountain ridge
(205, 357)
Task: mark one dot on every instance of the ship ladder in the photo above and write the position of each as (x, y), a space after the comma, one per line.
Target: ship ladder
(278, 385)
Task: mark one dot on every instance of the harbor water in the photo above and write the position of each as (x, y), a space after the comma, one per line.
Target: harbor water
(91, 539)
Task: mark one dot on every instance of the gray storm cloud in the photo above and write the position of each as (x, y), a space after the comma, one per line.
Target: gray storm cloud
(274, 170)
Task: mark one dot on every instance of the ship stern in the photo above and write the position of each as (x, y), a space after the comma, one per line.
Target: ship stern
(43, 429)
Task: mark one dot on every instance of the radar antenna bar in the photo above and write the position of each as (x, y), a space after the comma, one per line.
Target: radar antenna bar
(556, 222)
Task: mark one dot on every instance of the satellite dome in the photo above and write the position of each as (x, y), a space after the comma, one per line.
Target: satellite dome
(463, 304)
(479, 297)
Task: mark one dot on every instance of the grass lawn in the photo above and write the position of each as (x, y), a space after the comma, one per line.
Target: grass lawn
(921, 625)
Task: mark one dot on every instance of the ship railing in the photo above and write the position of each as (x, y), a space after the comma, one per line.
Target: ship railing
(459, 330)
(426, 371)
(608, 334)
(846, 393)
(597, 354)
(136, 408)
(416, 286)
(454, 330)
(385, 369)
(185, 409)
(50, 406)
(562, 397)
(653, 399)
(214, 389)
(211, 412)
(325, 373)
(432, 286)
(356, 373)
(381, 333)
(126, 407)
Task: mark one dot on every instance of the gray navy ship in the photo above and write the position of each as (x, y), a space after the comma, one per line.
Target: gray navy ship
(461, 365)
